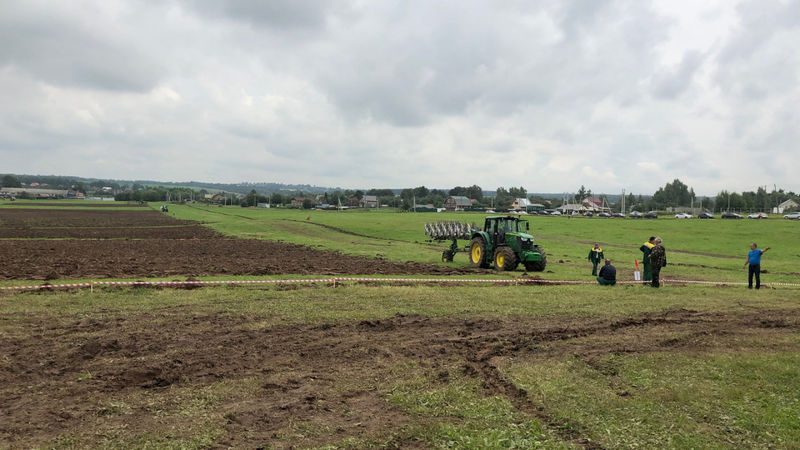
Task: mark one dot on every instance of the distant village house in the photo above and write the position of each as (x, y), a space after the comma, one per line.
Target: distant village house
(369, 201)
(520, 204)
(787, 205)
(457, 203)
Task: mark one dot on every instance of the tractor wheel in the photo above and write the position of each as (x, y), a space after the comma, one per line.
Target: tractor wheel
(505, 259)
(477, 252)
(537, 266)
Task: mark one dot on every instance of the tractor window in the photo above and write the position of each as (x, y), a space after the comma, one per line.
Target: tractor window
(490, 227)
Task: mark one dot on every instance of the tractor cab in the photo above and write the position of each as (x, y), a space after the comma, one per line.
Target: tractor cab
(498, 226)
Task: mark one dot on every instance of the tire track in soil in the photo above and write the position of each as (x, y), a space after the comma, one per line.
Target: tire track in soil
(130, 353)
(342, 230)
(296, 228)
(480, 352)
(222, 213)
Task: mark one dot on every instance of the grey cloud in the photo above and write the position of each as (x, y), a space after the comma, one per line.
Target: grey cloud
(760, 21)
(671, 84)
(307, 14)
(761, 59)
(429, 64)
(53, 48)
(417, 91)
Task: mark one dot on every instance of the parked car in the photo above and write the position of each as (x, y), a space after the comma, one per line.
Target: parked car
(651, 215)
(619, 214)
(705, 215)
(683, 216)
(588, 214)
(794, 215)
(555, 213)
(603, 214)
(730, 215)
(759, 215)
(635, 215)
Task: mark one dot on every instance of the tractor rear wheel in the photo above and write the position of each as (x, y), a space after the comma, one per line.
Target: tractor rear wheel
(537, 266)
(477, 252)
(505, 259)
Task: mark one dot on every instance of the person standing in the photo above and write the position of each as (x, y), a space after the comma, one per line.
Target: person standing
(647, 268)
(595, 256)
(754, 260)
(608, 274)
(658, 259)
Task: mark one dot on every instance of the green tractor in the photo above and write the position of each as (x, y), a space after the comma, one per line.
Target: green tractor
(503, 242)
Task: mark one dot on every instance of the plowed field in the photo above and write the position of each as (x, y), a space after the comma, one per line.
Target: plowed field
(93, 377)
(79, 205)
(147, 243)
(85, 218)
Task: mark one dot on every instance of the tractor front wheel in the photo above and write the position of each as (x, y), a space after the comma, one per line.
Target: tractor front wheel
(505, 259)
(537, 266)
(477, 252)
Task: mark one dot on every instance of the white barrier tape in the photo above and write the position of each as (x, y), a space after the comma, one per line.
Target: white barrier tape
(334, 280)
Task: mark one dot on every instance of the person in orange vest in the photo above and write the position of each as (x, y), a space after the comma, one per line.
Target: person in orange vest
(595, 256)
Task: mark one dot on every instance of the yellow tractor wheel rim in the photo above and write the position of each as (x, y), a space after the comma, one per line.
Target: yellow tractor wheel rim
(500, 260)
(476, 254)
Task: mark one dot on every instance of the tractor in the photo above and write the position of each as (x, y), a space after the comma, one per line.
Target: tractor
(503, 242)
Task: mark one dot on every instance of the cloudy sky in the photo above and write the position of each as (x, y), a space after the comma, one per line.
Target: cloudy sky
(546, 94)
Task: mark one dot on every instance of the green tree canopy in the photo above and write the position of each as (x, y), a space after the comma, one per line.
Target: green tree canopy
(11, 181)
(673, 194)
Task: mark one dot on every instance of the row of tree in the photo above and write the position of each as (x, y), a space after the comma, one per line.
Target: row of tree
(673, 194)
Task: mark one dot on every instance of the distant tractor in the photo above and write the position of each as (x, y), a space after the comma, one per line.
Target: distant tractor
(503, 242)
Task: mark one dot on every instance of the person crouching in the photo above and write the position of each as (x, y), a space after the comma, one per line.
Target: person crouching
(608, 274)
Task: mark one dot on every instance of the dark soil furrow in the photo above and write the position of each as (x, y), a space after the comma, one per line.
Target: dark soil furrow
(82, 362)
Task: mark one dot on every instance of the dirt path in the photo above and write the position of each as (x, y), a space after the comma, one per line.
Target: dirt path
(66, 378)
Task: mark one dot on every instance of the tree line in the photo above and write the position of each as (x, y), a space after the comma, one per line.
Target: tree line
(675, 194)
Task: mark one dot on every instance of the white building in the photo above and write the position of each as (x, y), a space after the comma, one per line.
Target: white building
(788, 204)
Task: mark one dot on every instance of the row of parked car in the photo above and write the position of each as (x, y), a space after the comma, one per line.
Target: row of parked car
(733, 215)
(654, 215)
(704, 215)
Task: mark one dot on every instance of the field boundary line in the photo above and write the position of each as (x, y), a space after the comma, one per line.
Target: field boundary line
(334, 280)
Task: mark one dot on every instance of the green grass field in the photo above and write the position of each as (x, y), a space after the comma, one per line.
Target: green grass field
(685, 366)
(712, 250)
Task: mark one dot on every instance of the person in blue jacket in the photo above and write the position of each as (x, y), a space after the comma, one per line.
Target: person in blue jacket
(608, 274)
(754, 260)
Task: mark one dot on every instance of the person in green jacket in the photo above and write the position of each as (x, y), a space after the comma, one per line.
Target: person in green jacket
(595, 256)
(658, 258)
(647, 268)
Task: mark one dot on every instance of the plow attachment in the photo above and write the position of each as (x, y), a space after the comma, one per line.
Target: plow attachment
(449, 231)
